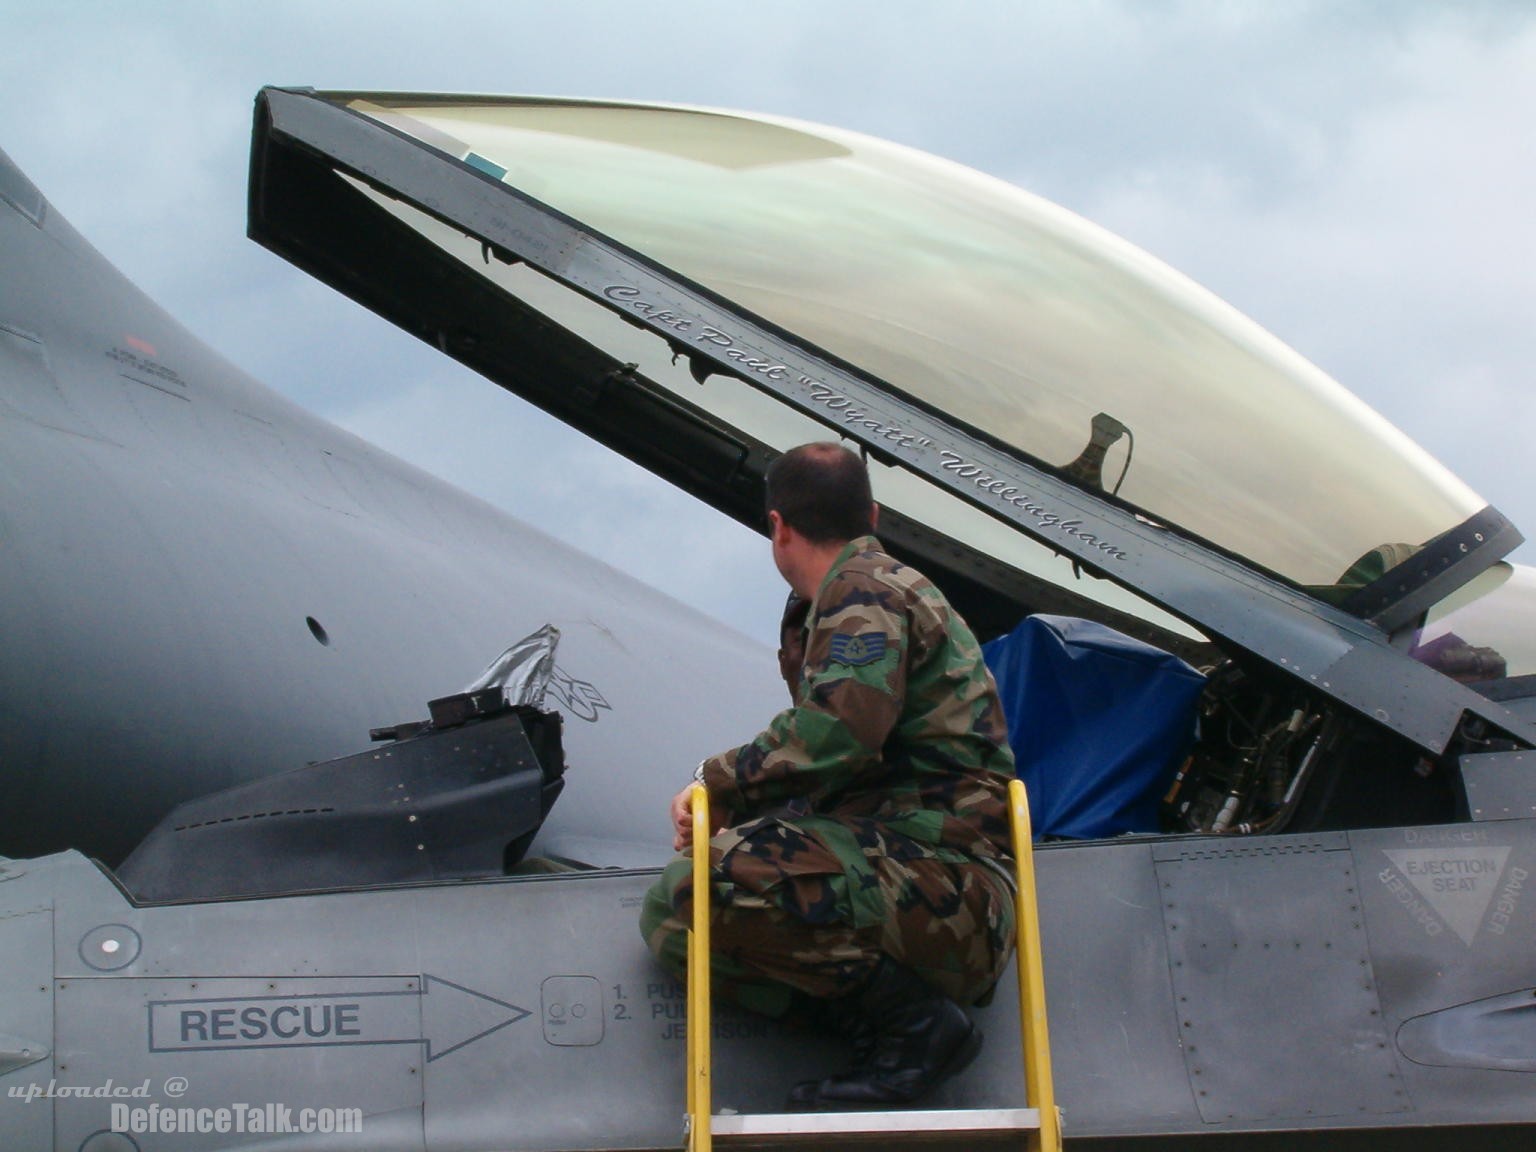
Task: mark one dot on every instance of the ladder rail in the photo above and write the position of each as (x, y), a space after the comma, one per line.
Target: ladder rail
(698, 1024)
(1039, 1088)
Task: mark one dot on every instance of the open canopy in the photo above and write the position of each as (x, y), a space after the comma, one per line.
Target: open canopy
(703, 289)
(1001, 310)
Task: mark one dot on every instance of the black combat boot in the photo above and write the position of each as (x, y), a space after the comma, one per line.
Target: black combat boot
(907, 1040)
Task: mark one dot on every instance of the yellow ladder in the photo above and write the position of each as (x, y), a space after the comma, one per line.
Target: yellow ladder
(1039, 1122)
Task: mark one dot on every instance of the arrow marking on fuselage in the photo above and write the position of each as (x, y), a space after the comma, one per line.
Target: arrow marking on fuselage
(442, 1015)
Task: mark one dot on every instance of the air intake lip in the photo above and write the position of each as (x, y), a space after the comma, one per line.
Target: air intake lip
(1498, 1033)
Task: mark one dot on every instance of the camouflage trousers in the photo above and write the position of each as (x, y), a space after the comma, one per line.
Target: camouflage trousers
(806, 908)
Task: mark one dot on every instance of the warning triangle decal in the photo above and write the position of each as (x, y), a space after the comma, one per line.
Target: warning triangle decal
(1457, 883)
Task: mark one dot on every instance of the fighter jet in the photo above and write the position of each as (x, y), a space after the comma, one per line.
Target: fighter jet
(1303, 919)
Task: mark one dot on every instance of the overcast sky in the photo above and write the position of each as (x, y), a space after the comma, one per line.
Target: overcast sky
(1357, 177)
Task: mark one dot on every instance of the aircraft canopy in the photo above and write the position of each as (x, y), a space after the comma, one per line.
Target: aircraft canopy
(1004, 312)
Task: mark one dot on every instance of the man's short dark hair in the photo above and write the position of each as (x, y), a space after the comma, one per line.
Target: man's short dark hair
(822, 492)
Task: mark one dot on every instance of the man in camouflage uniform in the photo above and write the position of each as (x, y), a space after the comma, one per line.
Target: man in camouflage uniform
(862, 850)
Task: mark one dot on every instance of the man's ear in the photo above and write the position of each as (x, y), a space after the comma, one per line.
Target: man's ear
(874, 517)
(775, 527)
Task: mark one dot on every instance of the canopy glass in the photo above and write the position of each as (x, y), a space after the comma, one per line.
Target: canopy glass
(1006, 312)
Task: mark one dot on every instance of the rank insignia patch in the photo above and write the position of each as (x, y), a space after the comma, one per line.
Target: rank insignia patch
(857, 651)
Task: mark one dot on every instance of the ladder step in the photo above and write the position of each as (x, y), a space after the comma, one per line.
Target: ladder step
(815, 1129)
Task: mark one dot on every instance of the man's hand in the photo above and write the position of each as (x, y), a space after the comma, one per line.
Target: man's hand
(682, 819)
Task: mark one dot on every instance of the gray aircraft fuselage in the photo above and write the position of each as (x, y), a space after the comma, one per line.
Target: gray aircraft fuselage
(201, 583)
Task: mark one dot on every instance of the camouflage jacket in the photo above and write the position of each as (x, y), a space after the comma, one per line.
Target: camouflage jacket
(894, 719)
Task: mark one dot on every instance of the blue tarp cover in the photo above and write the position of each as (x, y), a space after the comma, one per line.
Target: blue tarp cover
(1098, 722)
